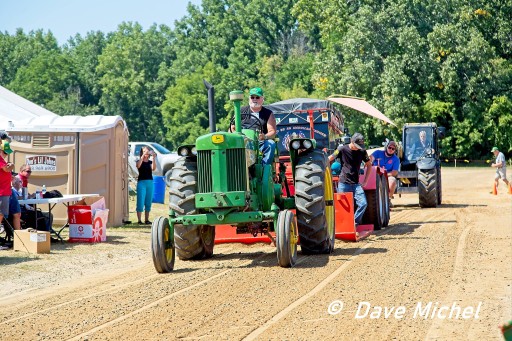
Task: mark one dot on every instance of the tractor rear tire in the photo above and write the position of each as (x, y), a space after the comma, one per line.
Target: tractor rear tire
(427, 187)
(439, 187)
(385, 201)
(167, 177)
(315, 219)
(192, 241)
(162, 248)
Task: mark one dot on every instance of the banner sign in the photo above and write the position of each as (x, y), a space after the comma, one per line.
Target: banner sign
(42, 163)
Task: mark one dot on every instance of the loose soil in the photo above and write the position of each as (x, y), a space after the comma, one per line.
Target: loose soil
(455, 256)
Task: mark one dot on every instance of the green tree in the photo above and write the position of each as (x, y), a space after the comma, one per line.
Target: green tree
(18, 50)
(129, 67)
(46, 76)
(185, 109)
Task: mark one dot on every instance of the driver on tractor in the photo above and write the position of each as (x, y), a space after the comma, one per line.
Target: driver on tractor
(267, 145)
(418, 148)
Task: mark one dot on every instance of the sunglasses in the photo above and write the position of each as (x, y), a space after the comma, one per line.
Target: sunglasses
(255, 97)
(27, 171)
(391, 148)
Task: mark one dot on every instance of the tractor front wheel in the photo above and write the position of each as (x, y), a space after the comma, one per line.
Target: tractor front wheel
(427, 187)
(286, 239)
(162, 245)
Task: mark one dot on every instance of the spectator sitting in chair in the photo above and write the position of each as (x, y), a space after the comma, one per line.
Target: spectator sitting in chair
(24, 174)
(14, 205)
(28, 216)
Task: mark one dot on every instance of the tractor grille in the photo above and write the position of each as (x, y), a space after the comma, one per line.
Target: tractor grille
(204, 171)
(234, 170)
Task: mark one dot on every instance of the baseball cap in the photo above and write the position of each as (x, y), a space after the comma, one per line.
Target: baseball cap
(6, 147)
(358, 140)
(494, 149)
(256, 91)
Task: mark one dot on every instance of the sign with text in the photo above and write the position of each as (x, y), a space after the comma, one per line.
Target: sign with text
(42, 163)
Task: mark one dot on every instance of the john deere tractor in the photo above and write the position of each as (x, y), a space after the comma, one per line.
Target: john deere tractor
(221, 181)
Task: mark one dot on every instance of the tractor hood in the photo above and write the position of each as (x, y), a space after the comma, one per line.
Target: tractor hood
(220, 140)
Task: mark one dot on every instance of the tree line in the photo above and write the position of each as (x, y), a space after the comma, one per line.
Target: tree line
(442, 61)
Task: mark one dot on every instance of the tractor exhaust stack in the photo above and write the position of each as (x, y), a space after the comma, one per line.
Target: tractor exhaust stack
(211, 106)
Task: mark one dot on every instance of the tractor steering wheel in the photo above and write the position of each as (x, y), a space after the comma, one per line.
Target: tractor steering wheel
(249, 121)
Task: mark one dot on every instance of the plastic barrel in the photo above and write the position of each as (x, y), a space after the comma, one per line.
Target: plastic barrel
(159, 189)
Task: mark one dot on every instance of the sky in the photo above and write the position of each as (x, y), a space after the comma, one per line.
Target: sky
(65, 18)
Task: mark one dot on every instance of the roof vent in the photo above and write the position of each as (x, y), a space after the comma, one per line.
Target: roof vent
(41, 140)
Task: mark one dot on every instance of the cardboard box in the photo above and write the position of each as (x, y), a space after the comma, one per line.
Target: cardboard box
(88, 220)
(32, 241)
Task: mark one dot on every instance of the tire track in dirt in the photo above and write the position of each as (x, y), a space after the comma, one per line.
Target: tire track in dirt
(402, 216)
(116, 297)
(433, 331)
(319, 287)
(167, 297)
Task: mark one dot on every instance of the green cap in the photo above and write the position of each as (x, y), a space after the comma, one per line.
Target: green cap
(256, 91)
(6, 147)
(494, 149)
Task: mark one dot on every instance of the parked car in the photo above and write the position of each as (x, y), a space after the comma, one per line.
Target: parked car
(165, 158)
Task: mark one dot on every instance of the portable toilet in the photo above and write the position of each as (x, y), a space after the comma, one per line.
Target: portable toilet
(75, 155)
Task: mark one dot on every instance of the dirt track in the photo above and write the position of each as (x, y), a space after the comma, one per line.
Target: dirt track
(459, 253)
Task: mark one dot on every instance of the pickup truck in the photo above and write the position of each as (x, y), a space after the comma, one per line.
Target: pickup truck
(165, 159)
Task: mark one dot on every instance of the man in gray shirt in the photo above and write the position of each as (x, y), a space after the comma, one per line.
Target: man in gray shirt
(501, 167)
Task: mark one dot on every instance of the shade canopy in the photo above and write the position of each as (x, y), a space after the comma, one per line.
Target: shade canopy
(362, 106)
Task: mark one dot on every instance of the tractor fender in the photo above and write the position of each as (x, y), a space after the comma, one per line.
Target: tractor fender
(371, 184)
(427, 163)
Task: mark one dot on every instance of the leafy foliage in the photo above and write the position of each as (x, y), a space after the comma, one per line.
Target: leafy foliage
(446, 61)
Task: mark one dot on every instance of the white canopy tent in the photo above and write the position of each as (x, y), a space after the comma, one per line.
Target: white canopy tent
(16, 108)
(73, 154)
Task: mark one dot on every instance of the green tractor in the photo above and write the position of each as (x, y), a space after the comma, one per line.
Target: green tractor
(221, 181)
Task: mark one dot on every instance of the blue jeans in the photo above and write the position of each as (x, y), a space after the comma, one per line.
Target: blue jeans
(144, 195)
(359, 198)
(268, 149)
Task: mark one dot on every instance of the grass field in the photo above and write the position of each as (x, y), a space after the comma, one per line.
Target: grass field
(156, 210)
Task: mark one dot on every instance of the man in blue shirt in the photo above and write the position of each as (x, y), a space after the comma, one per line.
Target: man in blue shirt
(386, 158)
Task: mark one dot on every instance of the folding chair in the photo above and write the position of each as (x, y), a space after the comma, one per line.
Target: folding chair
(6, 233)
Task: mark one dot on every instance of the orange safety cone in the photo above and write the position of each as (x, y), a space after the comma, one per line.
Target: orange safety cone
(494, 189)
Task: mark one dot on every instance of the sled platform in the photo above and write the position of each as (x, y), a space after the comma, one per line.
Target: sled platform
(345, 228)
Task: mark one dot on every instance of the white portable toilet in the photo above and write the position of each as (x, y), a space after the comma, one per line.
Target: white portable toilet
(75, 155)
